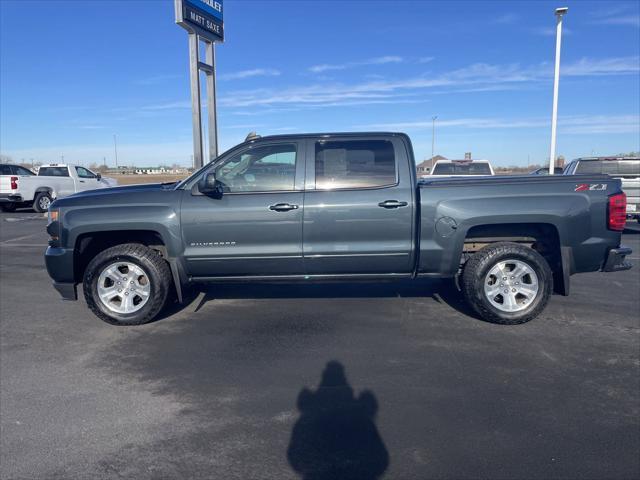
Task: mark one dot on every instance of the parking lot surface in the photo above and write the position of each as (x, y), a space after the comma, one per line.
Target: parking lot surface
(360, 381)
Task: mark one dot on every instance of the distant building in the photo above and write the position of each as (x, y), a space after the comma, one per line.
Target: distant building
(424, 167)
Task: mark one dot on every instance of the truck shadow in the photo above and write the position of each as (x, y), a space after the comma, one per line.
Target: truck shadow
(442, 291)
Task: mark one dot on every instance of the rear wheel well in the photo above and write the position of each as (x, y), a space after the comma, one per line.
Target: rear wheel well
(542, 237)
(88, 245)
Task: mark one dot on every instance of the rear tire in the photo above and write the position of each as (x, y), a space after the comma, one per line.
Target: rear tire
(507, 283)
(8, 207)
(127, 263)
(41, 202)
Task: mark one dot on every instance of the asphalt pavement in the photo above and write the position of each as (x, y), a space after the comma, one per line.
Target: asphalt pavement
(394, 381)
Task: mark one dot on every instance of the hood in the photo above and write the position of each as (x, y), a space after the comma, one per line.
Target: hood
(143, 187)
(115, 195)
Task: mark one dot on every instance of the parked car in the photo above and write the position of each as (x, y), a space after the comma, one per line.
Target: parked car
(627, 169)
(545, 171)
(52, 181)
(10, 175)
(461, 168)
(342, 207)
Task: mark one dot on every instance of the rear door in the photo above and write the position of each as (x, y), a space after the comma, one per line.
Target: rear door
(255, 227)
(57, 178)
(358, 206)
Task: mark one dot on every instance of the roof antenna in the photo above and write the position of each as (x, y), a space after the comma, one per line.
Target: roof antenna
(251, 136)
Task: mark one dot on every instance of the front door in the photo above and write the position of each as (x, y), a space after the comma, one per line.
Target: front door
(255, 226)
(359, 207)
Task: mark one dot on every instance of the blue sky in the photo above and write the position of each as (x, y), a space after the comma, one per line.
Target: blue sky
(73, 73)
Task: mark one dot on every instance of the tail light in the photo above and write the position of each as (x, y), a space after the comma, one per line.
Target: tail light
(617, 214)
(14, 183)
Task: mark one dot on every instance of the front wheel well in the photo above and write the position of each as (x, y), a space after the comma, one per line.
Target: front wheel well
(88, 245)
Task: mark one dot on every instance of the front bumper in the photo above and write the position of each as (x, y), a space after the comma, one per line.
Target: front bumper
(59, 262)
(615, 260)
(66, 290)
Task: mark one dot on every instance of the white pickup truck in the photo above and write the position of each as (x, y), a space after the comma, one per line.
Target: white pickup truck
(461, 168)
(20, 187)
(626, 169)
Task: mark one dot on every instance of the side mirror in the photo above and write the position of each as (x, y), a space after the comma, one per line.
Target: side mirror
(208, 185)
(98, 176)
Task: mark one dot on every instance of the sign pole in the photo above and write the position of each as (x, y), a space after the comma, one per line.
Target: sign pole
(211, 101)
(203, 20)
(195, 99)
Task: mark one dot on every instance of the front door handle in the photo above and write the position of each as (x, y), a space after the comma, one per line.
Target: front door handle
(283, 207)
(392, 204)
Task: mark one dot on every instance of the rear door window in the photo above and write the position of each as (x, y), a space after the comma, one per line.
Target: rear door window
(6, 170)
(354, 164)
(53, 172)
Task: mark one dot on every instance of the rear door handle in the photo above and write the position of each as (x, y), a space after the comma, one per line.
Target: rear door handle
(392, 204)
(283, 207)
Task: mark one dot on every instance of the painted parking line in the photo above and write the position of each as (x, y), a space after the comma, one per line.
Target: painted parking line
(26, 245)
(24, 237)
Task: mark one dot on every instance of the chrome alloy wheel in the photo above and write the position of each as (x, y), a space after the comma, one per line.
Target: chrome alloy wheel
(511, 285)
(44, 202)
(124, 287)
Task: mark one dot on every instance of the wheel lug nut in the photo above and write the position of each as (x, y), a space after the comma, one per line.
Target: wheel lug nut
(118, 283)
(119, 290)
(513, 289)
(126, 293)
(506, 291)
(504, 278)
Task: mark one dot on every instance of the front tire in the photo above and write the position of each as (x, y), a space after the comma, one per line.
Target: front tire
(507, 283)
(127, 284)
(41, 202)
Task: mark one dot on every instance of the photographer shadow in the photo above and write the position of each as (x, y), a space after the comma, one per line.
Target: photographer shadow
(336, 436)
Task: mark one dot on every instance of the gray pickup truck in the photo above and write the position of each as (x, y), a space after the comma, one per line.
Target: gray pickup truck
(327, 207)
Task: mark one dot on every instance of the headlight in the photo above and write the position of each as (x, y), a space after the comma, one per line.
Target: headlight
(53, 215)
(54, 227)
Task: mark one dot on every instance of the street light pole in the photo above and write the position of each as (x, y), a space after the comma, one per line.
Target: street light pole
(115, 149)
(433, 137)
(556, 80)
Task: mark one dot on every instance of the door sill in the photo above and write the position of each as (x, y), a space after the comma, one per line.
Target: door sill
(300, 278)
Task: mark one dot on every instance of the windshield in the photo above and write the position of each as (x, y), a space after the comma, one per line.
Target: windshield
(461, 169)
(617, 168)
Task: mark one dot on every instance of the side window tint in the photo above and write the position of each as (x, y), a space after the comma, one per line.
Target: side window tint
(84, 173)
(259, 169)
(354, 164)
(5, 170)
(24, 171)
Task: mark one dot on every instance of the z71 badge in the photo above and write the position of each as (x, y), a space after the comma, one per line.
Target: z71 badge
(583, 187)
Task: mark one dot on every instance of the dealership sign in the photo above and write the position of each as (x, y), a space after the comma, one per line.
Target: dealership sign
(205, 17)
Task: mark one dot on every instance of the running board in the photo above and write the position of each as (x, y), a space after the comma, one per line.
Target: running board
(300, 278)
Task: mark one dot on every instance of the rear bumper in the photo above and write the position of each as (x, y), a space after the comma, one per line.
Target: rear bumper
(10, 198)
(616, 260)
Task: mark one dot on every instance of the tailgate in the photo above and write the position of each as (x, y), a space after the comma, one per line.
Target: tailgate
(5, 184)
(631, 187)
